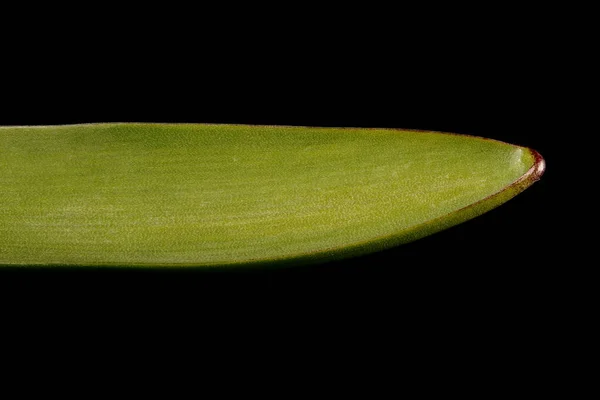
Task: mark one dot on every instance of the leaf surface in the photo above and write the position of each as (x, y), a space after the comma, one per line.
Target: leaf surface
(225, 195)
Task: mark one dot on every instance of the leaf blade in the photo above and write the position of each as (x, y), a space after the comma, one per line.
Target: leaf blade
(225, 195)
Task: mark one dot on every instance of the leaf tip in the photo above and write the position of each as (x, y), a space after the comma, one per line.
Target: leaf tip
(539, 166)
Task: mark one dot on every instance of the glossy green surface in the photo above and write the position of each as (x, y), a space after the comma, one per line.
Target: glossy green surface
(218, 195)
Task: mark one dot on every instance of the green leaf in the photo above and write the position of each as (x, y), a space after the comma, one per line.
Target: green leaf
(231, 195)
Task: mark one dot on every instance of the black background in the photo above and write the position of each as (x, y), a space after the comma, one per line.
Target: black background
(493, 281)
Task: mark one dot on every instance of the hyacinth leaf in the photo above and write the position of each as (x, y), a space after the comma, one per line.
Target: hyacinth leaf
(199, 195)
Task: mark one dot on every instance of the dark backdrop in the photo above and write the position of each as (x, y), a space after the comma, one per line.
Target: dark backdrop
(495, 292)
